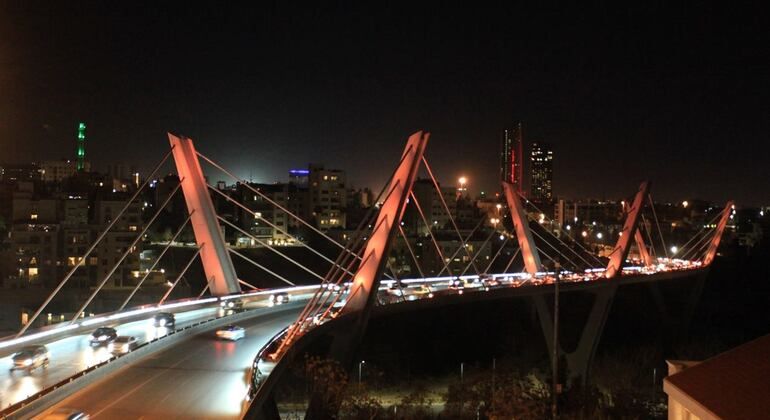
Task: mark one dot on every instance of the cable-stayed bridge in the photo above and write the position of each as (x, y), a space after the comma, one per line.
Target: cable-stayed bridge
(178, 371)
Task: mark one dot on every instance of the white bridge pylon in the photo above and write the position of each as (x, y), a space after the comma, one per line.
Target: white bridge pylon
(217, 265)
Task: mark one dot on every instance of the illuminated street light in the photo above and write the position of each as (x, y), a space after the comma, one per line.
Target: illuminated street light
(685, 204)
(584, 234)
(568, 227)
(674, 249)
(463, 180)
(599, 235)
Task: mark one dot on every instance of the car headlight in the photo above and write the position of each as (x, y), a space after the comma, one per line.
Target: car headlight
(27, 362)
(162, 322)
(102, 337)
(125, 347)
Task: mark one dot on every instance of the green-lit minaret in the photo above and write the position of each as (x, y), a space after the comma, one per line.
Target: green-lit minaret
(81, 146)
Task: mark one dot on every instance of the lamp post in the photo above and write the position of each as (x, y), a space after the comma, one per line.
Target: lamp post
(555, 362)
(360, 366)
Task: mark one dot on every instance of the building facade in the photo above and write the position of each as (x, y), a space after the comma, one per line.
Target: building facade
(541, 161)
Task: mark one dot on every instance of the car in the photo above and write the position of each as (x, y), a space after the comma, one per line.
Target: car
(397, 289)
(489, 282)
(123, 344)
(231, 304)
(279, 298)
(164, 320)
(66, 414)
(103, 336)
(30, 358)
(231, 332)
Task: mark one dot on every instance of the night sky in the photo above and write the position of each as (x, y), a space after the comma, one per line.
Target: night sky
(677, 94)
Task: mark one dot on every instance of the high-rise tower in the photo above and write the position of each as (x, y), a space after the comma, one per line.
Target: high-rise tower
(512, 157)
(81, 146)
(542, 172)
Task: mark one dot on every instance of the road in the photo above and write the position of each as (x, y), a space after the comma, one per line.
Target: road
(200, 377)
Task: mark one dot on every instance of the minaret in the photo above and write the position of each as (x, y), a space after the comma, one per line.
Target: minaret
(81, 146)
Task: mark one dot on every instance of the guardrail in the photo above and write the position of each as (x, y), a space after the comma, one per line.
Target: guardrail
(43, 399)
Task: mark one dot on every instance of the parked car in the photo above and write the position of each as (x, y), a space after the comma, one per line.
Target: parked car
(123, 344)
(30, 358)
(103, 336)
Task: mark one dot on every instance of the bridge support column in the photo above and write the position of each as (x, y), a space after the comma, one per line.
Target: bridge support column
(366, 280)
(630, 228)
(580, 359)
(269, 410)
(217, 264)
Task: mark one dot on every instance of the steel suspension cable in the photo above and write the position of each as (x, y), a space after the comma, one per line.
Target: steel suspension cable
(206, 287)
(649, 236)
(269, 200)
(234, 226)
(467, 238)
(182, 273)
(93, 246)
(446, 208)
(270, 224)
(505, 271)
(260, 266)
(497, 254)
(556, 249)
(411, 251)
(430, 232)
(573, 240)
(476, 254)
(157, 260)
(702, 231)
(657, 223)
(127, 252)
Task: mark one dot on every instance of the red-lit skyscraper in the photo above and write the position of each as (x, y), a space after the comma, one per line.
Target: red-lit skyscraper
(512, 157)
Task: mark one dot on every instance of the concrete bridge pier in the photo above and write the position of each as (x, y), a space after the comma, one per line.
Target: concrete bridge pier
(579, 360)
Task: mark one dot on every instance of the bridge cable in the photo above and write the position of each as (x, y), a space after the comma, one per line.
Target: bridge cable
(467, 238)
(430, 232)
(255, 213)
(181, 274)
(557, 250)
(703, 231)
(497, 254)
(129, 250)
(248, 284)
(260, 266)
(448, 213)
(157, 260)
(335, 275)
(478, 252)
(234, 226)
(266, 198)
(649, 236)
(411, 251)
(505, 271)
(93, 246)
(657, 223)
(205, 288)
(590, 254)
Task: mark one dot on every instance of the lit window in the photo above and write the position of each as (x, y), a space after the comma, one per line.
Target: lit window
(132, 228)
(32, 272)
(33, 216)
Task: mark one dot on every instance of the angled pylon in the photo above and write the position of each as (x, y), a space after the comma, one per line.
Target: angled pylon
(643, 252)
(217, 264)
(521, 224)
(712, 250)
(366, 280)
(630, 228)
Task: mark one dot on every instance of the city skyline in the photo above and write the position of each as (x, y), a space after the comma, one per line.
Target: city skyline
(261, 102)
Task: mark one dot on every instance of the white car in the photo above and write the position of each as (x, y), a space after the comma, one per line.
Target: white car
(231, 332)
(66, 414)
(123, 344)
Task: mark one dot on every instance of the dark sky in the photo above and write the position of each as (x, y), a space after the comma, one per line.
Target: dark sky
(674, 93)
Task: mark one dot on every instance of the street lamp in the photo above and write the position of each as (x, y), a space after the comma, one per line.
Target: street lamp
(360, 366)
